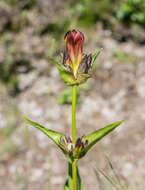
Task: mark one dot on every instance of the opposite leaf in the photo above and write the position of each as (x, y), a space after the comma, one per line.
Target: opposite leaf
(53, 135)
(98, 135)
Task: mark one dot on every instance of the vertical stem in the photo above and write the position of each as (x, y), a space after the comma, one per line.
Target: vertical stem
(74, 92)
(74, 164)
(74, 174)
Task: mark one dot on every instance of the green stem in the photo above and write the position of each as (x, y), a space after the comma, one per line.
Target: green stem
(74, 164)
(74, 92)
(74, 174)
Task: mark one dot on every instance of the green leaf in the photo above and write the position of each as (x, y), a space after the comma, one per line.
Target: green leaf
(69, 183)
(98, 135)
(66, 97)
(59, 66)
(95, 56)
(53, 135)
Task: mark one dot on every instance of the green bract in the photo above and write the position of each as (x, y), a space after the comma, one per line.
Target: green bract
(79, 149)
(68, 77)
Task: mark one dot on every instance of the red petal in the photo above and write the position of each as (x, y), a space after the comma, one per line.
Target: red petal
(74, 42)
(79, 38)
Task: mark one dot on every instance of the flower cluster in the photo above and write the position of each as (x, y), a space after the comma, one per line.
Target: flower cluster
(74, 151)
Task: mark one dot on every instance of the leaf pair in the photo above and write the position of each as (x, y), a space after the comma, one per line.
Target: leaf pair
(92, 138)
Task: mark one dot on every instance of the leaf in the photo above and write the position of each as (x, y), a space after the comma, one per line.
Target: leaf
(95, 56)
(69, 183)
(66, 97)
(98, 135)
(59, 66)
(53, 135)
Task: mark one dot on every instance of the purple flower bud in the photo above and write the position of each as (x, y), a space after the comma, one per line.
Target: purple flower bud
(78, 143)
(68, 139)
(87, 61)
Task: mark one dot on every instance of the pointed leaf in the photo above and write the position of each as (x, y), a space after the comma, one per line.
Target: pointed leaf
(59, 66)
(98, 135)
(53, 135)
(95, 56)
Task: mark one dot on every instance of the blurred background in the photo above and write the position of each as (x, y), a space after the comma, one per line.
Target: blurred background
(31, 31)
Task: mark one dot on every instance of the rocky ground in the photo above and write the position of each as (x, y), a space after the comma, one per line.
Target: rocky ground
(29, 160)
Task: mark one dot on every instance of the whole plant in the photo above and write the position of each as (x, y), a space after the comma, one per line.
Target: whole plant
(75, 69)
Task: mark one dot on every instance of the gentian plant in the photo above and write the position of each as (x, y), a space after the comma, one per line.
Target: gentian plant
(75, 69)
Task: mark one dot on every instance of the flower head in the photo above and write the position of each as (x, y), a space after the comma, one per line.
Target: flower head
(76, 65)
(73, 56)
(74, 151)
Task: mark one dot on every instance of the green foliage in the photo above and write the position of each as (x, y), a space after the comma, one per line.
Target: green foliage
(92, 138)
(11, 122)
(7, 71)
(56, 29)
(132, 11)
(20, 22)
(89, 11)
(66, 97)
(12, 2)
(10, 64)
(125, 57)
(26, 4)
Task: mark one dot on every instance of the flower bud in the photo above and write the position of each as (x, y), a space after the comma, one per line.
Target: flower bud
(76, 65)
(74, 151)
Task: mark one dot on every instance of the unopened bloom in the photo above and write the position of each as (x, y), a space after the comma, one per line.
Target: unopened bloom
(76, 65)
(73, 56)
(74, 151)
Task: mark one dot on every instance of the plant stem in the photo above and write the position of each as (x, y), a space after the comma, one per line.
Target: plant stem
(74, 174)
(74, 164)
(74, 92)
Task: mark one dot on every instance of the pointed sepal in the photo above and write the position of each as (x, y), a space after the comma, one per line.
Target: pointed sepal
(68, 76)
(95, 56)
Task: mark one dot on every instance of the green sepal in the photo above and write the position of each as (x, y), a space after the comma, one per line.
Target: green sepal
(59, 66)
(69, 182)
(68, 77)
(53, 135)
(95, 56)
(94, 137)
